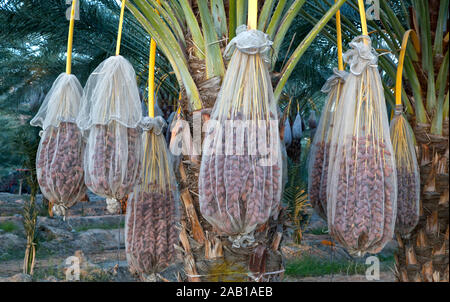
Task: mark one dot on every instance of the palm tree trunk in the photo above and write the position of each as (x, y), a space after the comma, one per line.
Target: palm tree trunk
(423, 256)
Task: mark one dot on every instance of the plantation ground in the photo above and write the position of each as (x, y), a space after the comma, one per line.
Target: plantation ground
(95, 237)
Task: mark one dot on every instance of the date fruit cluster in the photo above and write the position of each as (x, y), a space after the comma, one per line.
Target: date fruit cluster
(407, 214)
(237, 192)
(364, 206)
(150, 230)
(59, 164)
(112, 159)
(318, 179)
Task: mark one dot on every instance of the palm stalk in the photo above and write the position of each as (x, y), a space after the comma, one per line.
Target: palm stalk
(276, 18)
(240, 12)
(265, 13)
(232, 19)
(300, 50)
(29, 221)
(214, 61)
(284, 26)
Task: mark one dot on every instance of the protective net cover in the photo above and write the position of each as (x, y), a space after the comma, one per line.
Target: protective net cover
(111, 159)
(240, 176)
(320, 149)
(111, 93)
(361, 188)
(152, 209)
(109, 116)
(59, 165)
(61, 104)
(408, 176)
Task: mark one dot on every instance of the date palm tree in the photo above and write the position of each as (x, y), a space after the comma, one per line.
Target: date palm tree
(423, 255)
(192, 36)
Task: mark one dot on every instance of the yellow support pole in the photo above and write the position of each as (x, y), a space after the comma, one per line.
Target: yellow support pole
(252, 14)
(339, 39)
(151, 77)
(119, 33)
(362, 13)
(70, 38)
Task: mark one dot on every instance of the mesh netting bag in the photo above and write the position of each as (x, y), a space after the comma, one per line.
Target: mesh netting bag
(408, 176)
(152, 208)
(109, 116)
(361, 188)
(59, 160)
(320, 149)
(240, 175)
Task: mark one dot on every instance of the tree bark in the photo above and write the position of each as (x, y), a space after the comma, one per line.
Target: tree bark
(423, 255)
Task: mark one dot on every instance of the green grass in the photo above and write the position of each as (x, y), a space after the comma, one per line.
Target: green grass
(386, 263)
(102, 226)
(309, 267)
(8, 226)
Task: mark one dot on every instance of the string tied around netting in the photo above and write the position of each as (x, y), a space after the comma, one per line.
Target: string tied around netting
(242, 240)
(250, 42)
(156, 124)
(360, 55)
(399, 109)
(60, 210)
(339, 76)
(112, 205)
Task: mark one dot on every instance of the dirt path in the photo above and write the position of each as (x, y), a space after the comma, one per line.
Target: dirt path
(384, 277)
(105, 259)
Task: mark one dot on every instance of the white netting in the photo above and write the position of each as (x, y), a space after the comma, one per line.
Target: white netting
(240, 176)
(61, 104)
(111, 93)
(110, 114)
(408, 176)
(111, 161)
(361, 188)
(59, 166)
(152, 209)
(320, 147)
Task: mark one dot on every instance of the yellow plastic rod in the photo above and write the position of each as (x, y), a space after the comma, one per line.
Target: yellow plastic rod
(401, 60)
(252, 14)
(119, 33)
(362, 13)
(70, 38)
(151, 77)
(339, 39)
